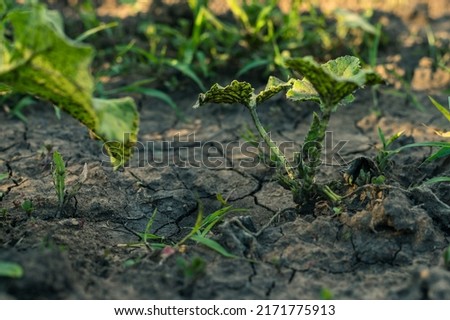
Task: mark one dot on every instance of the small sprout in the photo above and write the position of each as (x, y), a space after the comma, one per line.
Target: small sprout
(384, 155)
(59, 178)
(379, 180)
(337, 211)
(27, 206)
(326, 294)
(63, 193)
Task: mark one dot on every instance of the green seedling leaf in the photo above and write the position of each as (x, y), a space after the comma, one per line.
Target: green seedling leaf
(10, 270)
(4, 176)
(437, 180)
(394, 138)
(74, 189)
(22, 104)
(43, 62)
(382, 137)
(27, 206)
(93, 31)
(252, 65)
(59, 178)
(441, 108)
(196, 228)
(441, 153)
(155, 93)
(187, 71)
(332, 81)
(214, 245)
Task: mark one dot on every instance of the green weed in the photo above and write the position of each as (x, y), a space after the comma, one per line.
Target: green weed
(330, 85)
(200, 233)
(202, 228)
(16, 111)
(27, 206)
(443, 147)
(386, 152)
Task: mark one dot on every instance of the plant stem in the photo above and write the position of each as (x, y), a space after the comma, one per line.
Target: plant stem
(312, 151)
(273, 147)
(331, 195)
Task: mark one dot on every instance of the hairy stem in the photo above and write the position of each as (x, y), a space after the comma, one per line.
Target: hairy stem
(273, 147)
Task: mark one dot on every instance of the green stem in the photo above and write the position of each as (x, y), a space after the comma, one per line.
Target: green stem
(273, 147)
(331, 195)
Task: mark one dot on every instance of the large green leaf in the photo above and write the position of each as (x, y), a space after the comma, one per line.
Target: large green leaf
(242, 92)
(43, 62)
(331, 82)
(235, 92)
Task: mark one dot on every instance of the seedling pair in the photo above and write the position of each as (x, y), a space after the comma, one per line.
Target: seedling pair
(330, 85)
(199, 233)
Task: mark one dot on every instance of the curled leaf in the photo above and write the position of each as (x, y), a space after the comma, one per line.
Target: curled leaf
(331, 82)
(273, 86)
(10, 270)
(235, 92)
(242, 92)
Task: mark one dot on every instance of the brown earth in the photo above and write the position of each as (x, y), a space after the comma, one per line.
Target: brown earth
(386, 243)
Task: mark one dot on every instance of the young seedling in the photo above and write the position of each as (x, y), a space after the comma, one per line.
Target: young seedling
(383, 157)
(63, 193)
(203, 225)
(27, 206)
(330, 85)
(199, 233)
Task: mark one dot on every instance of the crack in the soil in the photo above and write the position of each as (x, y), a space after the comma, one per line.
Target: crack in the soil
(177, 223)
(292, 276)
(400, 247)
(254, 273)
(255, 198)
(10, 176)
(270, 288)
(7, 148)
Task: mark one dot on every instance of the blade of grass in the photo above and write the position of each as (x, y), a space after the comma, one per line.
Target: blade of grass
(196, 228)
(441, 108)
(252, 65)
(213, 245)
(187, 71)
(93, 31)
(437, 180)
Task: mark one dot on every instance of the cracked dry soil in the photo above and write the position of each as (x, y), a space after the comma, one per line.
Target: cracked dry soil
(386, 243)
